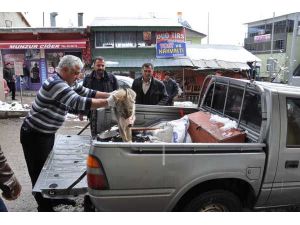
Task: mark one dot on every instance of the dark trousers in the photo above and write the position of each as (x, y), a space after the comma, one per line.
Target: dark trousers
(36, 148)
(2, 206)
(12, 88)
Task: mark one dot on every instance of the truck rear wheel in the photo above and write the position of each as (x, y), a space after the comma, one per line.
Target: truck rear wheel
(214, 201)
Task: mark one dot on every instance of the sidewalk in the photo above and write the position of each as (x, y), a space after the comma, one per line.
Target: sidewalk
(27, 93)
(27, 98)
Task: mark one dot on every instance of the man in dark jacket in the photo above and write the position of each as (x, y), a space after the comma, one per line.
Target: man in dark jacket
(99, 80)
(9, 76)
(8, 182)
(172, 88)
(149, 91)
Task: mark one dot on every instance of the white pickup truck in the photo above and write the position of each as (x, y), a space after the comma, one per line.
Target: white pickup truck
(263, 172)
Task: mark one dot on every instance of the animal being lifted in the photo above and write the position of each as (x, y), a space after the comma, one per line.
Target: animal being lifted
(125, 112)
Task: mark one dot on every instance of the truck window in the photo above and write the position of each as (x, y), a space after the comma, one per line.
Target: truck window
(251, 112)
(293, 122)
(219, 97)
(234, 102)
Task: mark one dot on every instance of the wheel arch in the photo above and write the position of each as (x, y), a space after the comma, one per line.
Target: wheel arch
(239, 187)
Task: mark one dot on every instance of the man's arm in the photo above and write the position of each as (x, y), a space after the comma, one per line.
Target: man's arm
(100, 94)
(8, 182)
(115, 84)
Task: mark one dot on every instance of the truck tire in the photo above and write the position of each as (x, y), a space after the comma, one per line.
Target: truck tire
(214, 201)
(88, 205)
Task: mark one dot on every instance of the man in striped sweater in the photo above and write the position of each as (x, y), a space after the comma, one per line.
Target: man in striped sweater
(56, 97)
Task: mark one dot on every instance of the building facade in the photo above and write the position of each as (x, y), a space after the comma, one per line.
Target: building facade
(40, 49)
(276, 42)
(13, 19)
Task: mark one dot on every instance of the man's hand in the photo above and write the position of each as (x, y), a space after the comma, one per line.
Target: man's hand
(111, 101)
(15, 193)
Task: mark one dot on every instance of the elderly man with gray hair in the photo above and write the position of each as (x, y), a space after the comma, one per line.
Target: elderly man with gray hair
(56, 97)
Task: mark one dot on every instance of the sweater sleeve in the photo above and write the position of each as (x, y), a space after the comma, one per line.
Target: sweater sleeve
(7, 178)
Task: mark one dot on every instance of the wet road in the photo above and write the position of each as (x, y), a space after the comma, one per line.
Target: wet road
(12, 148)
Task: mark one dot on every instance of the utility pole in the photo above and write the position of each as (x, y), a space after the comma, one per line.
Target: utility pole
(208, 28)
(271, 61)
(2, 95)
(293, 48)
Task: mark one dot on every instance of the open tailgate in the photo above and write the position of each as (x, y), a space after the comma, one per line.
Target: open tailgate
(65, 166)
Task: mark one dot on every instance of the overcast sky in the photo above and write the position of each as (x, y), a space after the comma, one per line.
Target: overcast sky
(227, 17)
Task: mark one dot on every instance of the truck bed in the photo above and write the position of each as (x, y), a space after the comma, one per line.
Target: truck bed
(65, 164)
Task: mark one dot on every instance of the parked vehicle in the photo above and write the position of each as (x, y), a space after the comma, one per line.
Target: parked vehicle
(262, 172)
(123, 81)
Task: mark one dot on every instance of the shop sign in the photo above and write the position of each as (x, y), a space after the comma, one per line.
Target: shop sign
(262, 38)
(170, 49)
(170, 44)
(43, 70)
(42, 44)
(18, 67)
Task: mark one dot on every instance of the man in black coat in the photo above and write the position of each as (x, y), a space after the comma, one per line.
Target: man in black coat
(9, 76)
(149, 91)
(171, 87)
(99, 80)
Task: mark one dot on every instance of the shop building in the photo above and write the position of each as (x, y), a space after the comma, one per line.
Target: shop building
(275, 40)
(127, 43)
(40, 49)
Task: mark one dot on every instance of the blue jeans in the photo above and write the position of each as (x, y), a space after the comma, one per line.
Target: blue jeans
(2, 206)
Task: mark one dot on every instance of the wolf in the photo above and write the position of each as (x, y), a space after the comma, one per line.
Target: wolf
(124, 111)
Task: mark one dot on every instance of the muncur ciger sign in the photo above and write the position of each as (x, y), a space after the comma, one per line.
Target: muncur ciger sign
(170, 44)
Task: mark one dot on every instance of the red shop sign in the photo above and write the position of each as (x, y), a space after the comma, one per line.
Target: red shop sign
(45, 44)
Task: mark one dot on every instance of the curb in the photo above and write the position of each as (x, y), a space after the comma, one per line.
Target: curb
(28, 94)
(13, 114)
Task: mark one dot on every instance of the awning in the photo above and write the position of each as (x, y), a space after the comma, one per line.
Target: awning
(136, 63)
(220, 64)
(43, 44)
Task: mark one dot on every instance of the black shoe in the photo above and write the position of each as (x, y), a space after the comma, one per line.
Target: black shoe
(14, 99)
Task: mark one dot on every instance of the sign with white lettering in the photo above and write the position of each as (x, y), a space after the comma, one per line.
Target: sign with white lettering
(55, 44)
(170, 44)
(43, 69)
(262, 38)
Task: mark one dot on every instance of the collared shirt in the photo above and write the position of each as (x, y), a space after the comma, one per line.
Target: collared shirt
(146, 85)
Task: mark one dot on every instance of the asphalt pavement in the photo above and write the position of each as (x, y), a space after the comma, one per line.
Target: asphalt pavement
(12, 148)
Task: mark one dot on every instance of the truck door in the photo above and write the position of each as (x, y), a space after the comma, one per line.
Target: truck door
(286, 186)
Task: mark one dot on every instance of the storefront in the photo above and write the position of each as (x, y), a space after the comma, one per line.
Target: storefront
(38, 59)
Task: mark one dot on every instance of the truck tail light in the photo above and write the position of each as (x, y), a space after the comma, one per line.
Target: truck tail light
(96, 177)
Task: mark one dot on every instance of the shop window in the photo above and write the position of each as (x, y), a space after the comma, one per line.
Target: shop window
(125, 39)
(53, 59)
(35, 73)
(146, 38)
(279, 44)
(104, 39)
